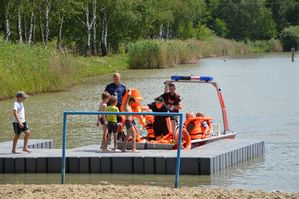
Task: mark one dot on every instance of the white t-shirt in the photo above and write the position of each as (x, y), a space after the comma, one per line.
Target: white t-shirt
(19, 107)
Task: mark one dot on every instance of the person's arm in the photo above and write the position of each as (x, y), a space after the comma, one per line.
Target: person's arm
(101, 108)
(167, 118)
(106, 88)
(148, 107)
(168, 122)
(207, 129)
(105, 117)
(206, 126)
(99, 117)
(126, 107)
(125, 91)
(16, 115)
(178, 106)
(166, 89)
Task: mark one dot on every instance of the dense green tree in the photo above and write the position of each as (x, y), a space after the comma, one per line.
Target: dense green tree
(103, 26)
(247, 19)
(285, 13)
(290, 38)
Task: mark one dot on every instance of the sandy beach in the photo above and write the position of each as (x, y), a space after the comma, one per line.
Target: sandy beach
(130, 191)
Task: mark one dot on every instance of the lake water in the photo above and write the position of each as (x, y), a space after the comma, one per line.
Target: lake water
(262, 99)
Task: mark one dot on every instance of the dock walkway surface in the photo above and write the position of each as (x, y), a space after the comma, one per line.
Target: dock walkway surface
(203, 160)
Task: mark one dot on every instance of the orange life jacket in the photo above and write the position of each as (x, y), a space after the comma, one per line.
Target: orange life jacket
(196, 129)
(149, 127)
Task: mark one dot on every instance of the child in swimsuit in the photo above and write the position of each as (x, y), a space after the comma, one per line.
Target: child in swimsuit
(101, 119)
(129, 123)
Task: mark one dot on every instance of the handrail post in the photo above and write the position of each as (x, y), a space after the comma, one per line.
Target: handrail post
(63, 148)
(178, 158)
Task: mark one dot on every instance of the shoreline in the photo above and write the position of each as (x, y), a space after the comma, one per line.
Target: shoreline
(59, 71)
(132, 191)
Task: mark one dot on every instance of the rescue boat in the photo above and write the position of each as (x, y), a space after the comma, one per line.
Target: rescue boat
(197, 130)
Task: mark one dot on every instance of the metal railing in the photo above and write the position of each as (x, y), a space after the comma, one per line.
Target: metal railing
(66, 113)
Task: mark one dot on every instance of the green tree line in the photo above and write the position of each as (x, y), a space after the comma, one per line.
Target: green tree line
(100, 27)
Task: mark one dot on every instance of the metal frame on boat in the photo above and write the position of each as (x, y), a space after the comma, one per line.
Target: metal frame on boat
(191, 143)
(227, 133)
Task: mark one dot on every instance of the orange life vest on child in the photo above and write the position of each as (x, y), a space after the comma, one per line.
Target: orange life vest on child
(199, 127)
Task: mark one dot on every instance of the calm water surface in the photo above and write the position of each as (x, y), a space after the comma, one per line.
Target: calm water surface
(261, 95)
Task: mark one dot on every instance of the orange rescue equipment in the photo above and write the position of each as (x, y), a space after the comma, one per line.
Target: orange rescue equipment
(186, 140)
(196, 128)
(149, 127)
(135, 106)
(170, 138)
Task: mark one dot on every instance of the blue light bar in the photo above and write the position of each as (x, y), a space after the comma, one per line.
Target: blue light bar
(192, 77)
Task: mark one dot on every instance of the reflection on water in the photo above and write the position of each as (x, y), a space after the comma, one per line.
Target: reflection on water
(261, 96)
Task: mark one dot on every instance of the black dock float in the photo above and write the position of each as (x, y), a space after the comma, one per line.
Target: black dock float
(204, 160)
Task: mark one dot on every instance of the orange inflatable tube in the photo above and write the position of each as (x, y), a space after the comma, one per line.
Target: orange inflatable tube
(170, 138)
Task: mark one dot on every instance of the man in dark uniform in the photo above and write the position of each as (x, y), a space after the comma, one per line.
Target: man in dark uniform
(117, 89)
(162, 124)
(172, 101)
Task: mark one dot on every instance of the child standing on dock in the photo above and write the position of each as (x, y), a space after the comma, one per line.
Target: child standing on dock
(102, 119)
(129, 123)
(112, 122)
(19, 122)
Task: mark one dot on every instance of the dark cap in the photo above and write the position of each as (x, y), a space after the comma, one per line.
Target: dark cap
(21, 94)
(159, 99)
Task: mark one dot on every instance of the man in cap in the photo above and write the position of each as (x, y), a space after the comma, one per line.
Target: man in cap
(19, 122)
(162, 124)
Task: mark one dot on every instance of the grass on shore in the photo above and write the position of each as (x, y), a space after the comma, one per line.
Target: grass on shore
(165, 53)
(41, 68)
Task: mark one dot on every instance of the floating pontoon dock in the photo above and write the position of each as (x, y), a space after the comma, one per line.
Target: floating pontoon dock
(204, 160)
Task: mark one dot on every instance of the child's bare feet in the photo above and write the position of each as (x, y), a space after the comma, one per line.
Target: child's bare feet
(15, 152)
(135, 151)
(27, 150)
